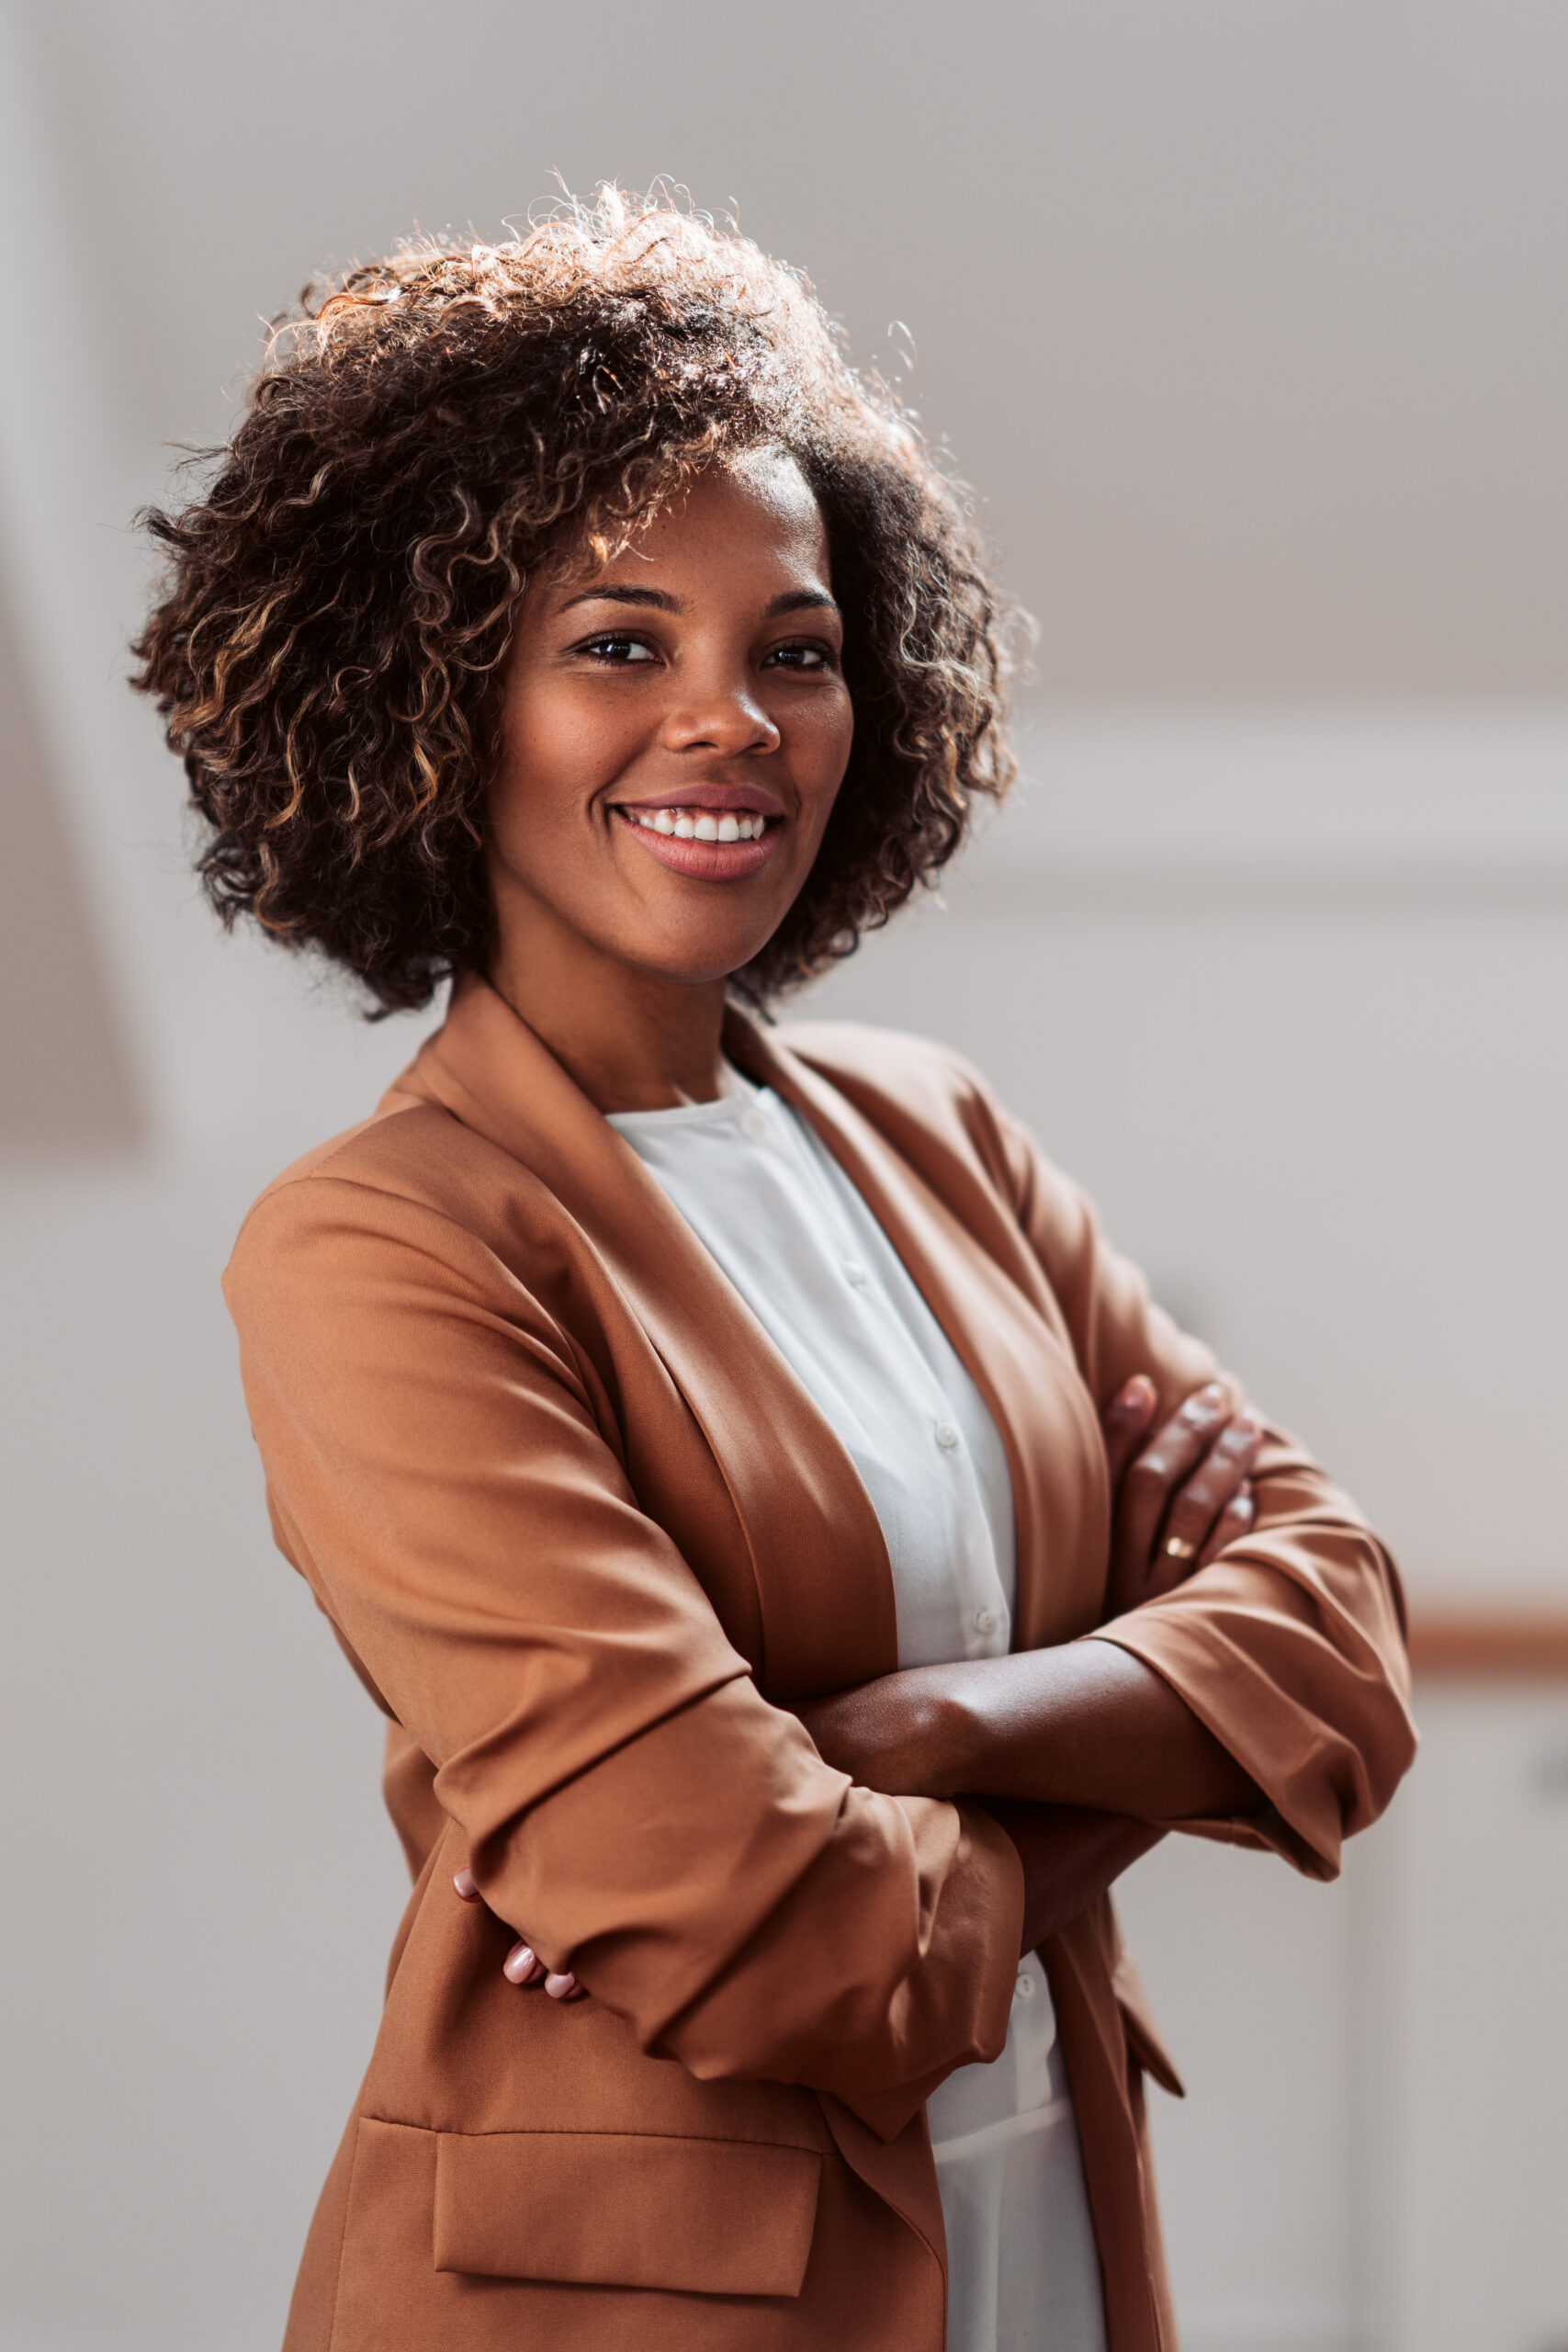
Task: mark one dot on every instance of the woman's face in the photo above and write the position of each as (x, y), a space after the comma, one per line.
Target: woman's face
(675, 730)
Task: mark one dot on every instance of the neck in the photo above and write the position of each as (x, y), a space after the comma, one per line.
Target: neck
(631, 1040)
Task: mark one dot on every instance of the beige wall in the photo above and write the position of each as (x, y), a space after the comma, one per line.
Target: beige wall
(1248, 324)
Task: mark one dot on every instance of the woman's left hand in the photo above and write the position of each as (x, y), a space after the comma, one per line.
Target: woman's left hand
(1179, 1498)
(523, 1964)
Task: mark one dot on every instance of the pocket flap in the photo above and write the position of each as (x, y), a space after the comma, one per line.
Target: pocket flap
(610, 2208)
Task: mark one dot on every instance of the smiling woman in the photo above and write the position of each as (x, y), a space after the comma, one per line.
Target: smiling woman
(800, 1567)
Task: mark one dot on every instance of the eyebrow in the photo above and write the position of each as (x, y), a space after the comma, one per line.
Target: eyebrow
(794, 600)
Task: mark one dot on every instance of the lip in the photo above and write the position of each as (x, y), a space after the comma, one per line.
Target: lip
(741, 799)
(702, 861)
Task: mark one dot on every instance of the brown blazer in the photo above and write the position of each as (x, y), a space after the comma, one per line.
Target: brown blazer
(581, 1530)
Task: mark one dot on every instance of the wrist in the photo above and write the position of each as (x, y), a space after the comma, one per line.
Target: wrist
(936, 1745)
(962, 1733)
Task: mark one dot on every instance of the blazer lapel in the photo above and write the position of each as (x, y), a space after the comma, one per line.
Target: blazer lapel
(824, 1585)
(1022, 1366)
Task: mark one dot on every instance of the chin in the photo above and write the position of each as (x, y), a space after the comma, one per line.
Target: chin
(690, 952)
(697, 971)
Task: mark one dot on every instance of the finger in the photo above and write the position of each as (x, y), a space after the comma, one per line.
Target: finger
(520, 1966)
(560, 1984)
(1197, 1503)
(1125, 1418)
(1234, 1522)
(466, 1888)
(1151, 1478)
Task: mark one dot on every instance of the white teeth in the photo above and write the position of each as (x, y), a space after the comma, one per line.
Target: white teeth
(684, 827)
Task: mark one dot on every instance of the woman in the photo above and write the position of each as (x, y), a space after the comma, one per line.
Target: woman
(799, 1566)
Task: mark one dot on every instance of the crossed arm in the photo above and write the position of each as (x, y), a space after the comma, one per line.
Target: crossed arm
(1081, 1750)
(1077, 1751)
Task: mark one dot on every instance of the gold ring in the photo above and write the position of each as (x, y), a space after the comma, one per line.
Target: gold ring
(1178, 1548)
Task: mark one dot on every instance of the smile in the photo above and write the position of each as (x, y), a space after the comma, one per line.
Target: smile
(699, 824)
(707, 844)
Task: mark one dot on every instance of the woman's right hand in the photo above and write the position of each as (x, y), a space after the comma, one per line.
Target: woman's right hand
(1178, 1498)
(1069, 1855)
(523, 1964)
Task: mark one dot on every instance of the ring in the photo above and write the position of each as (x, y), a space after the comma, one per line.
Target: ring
(1177, 1547)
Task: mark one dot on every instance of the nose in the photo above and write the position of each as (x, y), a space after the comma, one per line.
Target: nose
(722, 715)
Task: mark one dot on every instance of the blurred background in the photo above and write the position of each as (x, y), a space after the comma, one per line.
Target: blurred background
(1248, 321)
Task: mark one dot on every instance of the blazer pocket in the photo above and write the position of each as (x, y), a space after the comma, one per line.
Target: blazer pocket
(613, 2208)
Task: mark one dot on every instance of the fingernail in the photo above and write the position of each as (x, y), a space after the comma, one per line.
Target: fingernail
(1244, 1426)
(559, 1983)
(518, 1964)
(466, 1889)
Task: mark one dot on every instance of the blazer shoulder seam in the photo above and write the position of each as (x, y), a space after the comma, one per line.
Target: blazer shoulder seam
(322, 1168)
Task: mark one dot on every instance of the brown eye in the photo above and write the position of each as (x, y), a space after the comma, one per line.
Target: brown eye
(807, 657)
(618, 652)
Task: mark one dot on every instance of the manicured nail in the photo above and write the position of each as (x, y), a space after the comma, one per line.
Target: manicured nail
(466, 1889)
(559, 1982)
(518, 1964)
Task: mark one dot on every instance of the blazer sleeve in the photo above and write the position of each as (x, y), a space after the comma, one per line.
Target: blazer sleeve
(1290, 1645)
(443, 1465)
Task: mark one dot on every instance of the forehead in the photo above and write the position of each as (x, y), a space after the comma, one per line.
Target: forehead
(758, 509)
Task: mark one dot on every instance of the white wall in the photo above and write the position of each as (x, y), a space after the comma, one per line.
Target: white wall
(1273, 427)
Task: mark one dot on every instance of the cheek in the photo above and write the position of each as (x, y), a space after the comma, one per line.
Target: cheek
(555, 753)
(543, 739)
(824, 750)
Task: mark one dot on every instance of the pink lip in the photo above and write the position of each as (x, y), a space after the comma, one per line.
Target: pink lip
(742, 799)
(705, 861)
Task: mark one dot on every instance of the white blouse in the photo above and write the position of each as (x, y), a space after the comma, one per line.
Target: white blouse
(799, 1244)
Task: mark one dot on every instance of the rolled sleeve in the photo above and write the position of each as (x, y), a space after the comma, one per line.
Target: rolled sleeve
(444, 1469)
(1290, 1645)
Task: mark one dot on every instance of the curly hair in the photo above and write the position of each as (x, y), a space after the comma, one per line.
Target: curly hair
(328, 637)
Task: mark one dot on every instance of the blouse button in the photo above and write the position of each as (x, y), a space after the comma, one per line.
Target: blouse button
(754, 1125)
(855, 1272)
(984, 1621)
(946, 1436)
(1024, 1988)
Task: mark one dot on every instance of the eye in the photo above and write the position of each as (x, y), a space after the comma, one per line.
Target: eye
(803, 654)
(617, 652)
